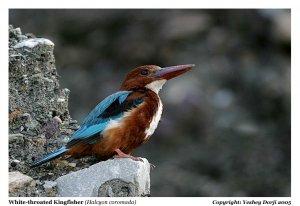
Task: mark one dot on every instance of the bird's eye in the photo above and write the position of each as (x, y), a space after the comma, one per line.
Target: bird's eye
(145, 72)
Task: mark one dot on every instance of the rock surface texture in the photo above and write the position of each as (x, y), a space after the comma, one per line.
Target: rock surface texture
(20, 184)
(39, 123)
(39, 120)
(112, 178)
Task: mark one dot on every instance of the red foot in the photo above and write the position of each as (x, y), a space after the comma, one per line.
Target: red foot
(121, 154)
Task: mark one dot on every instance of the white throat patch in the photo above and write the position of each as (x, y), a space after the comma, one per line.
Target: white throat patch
(156, 85)
(153, 125)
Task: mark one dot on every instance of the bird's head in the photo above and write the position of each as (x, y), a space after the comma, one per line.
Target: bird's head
(152, 77)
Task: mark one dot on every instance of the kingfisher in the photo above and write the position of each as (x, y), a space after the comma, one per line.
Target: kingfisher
(124, 120)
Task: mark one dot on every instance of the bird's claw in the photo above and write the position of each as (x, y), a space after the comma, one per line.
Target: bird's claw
(128, 156)
(121, 154)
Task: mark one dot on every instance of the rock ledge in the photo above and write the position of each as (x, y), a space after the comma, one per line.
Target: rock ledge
(111, 178)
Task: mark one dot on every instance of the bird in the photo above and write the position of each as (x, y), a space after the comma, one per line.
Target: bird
(124, 120)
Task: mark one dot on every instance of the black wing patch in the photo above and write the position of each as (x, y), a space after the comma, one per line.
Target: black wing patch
(115, 108)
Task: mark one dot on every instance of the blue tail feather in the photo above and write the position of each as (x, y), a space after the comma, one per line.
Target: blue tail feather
(49, 157)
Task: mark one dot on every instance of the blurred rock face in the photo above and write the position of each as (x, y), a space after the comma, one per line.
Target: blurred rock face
(225, 129)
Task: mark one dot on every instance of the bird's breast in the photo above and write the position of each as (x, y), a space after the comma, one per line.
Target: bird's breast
(155, 120)
(134, 127)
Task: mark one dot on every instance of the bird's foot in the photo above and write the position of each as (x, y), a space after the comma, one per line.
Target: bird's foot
(121, 154)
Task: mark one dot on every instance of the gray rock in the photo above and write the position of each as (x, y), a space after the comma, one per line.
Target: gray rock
(20, 184)
(49, 184)
(35, 96)
(16, 138)
(50, 188)
(37, 114)
(111, 178)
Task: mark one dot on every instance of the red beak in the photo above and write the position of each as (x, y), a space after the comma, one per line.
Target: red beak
(173, 71)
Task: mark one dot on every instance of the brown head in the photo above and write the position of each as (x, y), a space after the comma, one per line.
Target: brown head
(152, 77)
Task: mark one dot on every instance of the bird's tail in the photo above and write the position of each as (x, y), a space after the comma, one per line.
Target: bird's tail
(49, 157)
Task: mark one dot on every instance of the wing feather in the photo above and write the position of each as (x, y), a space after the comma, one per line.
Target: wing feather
(111, 108)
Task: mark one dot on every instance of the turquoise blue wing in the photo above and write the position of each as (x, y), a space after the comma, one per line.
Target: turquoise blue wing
(111, 108)
(94, 123)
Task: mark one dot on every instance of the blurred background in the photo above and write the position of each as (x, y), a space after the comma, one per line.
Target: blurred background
(226, 125)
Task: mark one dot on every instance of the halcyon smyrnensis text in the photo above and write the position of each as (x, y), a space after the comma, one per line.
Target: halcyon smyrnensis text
(124, 120)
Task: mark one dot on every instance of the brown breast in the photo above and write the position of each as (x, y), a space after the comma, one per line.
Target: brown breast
(129, 132)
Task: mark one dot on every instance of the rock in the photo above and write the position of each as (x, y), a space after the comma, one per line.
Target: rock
(50, 188)
(20, 184)
(72, 164)
(16, 138)
(34, 91)
(37, 114)
(14, 163)
(30, 43)
(111, 178)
